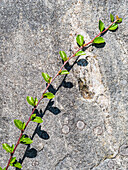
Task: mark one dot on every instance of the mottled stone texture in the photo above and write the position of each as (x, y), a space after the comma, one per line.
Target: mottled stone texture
(86, 125)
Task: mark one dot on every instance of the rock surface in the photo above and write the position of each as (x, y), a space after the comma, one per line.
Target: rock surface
(86, 125)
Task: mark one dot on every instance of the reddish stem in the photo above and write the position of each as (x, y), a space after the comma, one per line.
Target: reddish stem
(18, 142)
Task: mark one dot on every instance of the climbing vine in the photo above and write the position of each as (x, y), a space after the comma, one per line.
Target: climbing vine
(23, 139)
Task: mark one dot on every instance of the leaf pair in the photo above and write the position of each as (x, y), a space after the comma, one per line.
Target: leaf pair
(20, 125)
(115, 25)
(36, 119)
(48, 95)
(14, 163)
(119, 20)
(32, 101)
(8, 148)
(25, 140)
(99, 40)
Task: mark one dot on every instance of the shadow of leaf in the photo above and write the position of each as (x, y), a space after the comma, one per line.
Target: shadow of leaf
(42, 134)
(51, 89)
(82, 62)
(99, 45)
(67, 84)
(31, 153)
(54, 110)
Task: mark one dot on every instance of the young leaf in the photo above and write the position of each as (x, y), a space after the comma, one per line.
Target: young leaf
(17, 165)
(30, 100)
(2, 169)
(35, 101)
(111, 17)
(46, 77)
(8, 148)
(119, 20)
(13, 160)
(63, 72)
(33, 116)
(37, 119)
(63, 55)
(80, 53)
(20, 125)
(113, 27)
(80, 40)
(101, 26)
(98, 40)
(49, 95)
(25, 140)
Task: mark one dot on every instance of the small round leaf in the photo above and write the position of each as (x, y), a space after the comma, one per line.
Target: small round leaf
(33, 116)
(49, 95)
(63, 72)
(101, 26)
(113, 27)
(13, 160)
(111, 17)
(37, 119)
(98, 40)
(46, 77)
(63, 55)
(80, 53)
(18, 165)
(80, 40)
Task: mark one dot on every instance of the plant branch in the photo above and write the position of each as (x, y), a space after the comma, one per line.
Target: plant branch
(22, 131)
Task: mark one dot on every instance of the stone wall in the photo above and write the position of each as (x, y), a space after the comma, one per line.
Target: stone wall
(86, 125)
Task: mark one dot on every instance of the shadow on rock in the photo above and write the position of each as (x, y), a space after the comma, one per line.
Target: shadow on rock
(42, 134)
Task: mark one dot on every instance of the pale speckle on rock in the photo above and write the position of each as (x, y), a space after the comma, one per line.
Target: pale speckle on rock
(80, 125)
(98, 130)
(65, 129)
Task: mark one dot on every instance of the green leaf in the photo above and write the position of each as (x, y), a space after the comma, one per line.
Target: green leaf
(101, 26)
(80, 53)
(80, 40)
(36, 101)
(63, 72)
(113, 27)
(98, 40)
(119, 21)
(111, 17)
(13, 160)
(63, 55)
(25, 140)
(8, 148)
(2, 169)
(20, 125)
(49, 95)
(37, 119)
(46, 77)
(33, 116)
(17, 165)
(30, 100)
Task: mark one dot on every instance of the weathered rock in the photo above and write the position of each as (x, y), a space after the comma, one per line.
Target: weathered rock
(86, 125)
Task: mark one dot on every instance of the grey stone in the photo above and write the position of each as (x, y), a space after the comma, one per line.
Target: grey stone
(86, 125)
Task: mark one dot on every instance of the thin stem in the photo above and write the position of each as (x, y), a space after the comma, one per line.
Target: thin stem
(18, 142)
